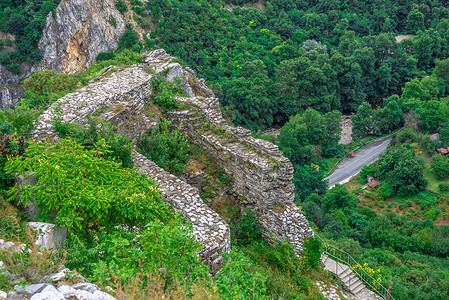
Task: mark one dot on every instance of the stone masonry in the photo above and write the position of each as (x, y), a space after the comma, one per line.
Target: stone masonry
(120, 98)
(262, 177)
(208, 227)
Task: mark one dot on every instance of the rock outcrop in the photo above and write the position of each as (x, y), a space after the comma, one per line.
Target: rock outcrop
(10, 90)
(77, 32)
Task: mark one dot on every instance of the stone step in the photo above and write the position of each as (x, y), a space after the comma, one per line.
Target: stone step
(358, 288)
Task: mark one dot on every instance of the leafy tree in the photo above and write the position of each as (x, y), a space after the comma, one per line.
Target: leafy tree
(402, 170)
(339, 198)
(363, 121)
(308, 181)
(440, 166)
(247, 230)
(239, 279)
(442, 71)
(84, 189)
(306, 135)
(249, 95)
(415, 21)
(306, 83)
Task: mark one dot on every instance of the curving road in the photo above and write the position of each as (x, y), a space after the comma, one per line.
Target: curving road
(351, 166)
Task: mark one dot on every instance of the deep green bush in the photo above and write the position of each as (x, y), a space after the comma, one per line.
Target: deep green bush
(246, 230)
(169, 149)
(119, 147)
(312, 253)
(440, 166)
(164, 92)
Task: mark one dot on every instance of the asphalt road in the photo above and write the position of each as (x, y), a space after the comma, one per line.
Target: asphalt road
(351, 166)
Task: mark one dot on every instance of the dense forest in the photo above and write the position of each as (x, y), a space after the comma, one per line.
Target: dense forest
(295, 65)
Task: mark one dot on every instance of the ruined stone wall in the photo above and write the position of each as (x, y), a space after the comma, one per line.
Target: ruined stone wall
(208, 227)
(120, 98)
(261, 175)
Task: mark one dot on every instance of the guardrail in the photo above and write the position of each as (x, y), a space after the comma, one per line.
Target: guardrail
(362, 145)
(345, 258)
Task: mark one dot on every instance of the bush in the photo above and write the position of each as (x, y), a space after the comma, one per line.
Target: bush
(246, 229)
(239, 280)
(120, 147)
(121, 6)
(105, 56)
(444, 187)
(84, 191)
(312, 253)
(168, 149)
(440, 166)
(164, 92)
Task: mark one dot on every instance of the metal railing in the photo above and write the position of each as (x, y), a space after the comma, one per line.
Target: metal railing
(345, 258)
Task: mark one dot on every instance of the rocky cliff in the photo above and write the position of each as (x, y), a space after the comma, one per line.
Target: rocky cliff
(77, 32)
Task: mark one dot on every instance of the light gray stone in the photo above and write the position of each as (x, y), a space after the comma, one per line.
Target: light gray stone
(49, 236)
(88, 287)
(3, 295)
(31, 288)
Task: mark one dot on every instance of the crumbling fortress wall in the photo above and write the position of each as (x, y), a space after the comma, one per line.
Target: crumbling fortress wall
(262, 177)
(120, 98)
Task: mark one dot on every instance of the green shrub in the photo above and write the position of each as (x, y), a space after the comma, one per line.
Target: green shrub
(121, 6)
(164, 92)
(85, 191)
(128, 39)
(444, 186)
(119, 147)
(105, 56)
(166, 249)
(246, 229)
(239, 280)
(312, 253)
(440, 166)
(168, 149)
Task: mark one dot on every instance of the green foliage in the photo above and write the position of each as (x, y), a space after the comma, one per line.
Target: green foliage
(11, 146)
(121, 6)
(308, 181)
(239, 280)
(26, 21)
(169, 149)
(164, 92)
(310, 134)
(164, 249)
(366, 170)
(246, 230)
(128, 39)
(415, 21)
(339, 198)
(84, 189)
(118, 147)
(402, 170)
(440, 166)
(444, 186)
(312, 253)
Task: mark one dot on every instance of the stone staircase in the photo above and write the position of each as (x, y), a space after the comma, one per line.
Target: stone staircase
(358, 282)
(349, 280)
